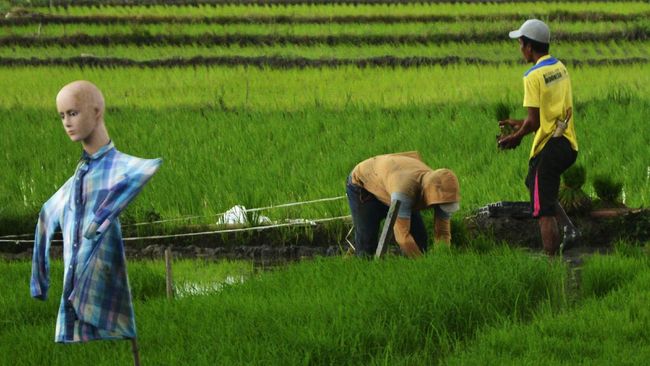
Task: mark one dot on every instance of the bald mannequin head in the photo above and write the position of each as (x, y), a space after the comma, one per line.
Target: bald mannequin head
(81, 107)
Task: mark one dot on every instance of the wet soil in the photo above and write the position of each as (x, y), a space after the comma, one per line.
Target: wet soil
(596, 231)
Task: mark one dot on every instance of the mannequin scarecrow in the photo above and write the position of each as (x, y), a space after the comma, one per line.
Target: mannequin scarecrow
(96, 302)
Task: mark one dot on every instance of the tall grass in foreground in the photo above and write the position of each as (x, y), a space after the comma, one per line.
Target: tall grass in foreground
(604, 274)
(146, 278)
(609, 330)
(330, 311)
(501, 308)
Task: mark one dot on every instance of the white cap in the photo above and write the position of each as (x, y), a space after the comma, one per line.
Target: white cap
(533, 29)
(450, 207)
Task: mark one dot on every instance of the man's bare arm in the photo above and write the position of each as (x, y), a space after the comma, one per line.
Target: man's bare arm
(530, 124)
(405, 240)
(442, 230)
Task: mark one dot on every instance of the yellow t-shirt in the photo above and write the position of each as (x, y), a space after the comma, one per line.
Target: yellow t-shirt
(547, 86)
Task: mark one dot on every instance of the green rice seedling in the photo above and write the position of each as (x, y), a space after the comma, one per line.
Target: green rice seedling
(608, 190)
(263, 37)
(146, 279)
(147, 282)
(502, 112)
(291, 90)
(575, 177)
(245, 151)
(17, 308)
(552, 17)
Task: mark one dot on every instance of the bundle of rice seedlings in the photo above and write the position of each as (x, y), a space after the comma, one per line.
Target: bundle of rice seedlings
(502, 112)
(609, 191)
(571, 196)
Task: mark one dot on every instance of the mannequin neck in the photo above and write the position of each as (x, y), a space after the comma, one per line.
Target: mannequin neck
(96, 140)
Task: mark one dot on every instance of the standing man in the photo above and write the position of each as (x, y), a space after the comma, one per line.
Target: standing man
(548, 98)
(96, 300)
(376, 182)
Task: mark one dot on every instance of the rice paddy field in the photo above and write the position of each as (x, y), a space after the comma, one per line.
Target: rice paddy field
(261, 103)
(235, 96)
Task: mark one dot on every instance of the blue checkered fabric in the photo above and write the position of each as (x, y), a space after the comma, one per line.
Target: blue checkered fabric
(96, 301)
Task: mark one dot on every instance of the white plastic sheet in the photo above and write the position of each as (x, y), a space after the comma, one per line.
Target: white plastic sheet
(237, 216)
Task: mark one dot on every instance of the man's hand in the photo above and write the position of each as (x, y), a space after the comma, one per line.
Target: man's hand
(404, 239)
(530, 124)
(513, 123)
(442, 230)
(569, 113)
(510, 141)
(509, 128)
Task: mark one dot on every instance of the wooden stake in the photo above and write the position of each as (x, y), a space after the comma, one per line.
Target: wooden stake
(387, 231)
(136, 354)
(168, 274)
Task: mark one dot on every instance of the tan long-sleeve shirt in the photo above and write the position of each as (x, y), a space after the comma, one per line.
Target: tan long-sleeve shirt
(405, 173)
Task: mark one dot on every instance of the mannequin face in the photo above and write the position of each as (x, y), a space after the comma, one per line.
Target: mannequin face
(79, 116)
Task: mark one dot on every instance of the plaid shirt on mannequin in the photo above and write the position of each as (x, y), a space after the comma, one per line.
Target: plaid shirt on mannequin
(96, 301)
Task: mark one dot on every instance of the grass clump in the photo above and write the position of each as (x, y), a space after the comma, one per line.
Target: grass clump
(604, 330)
(632, 249)
(621, 94)
(575, 177)
(606, 273)
(609, 191)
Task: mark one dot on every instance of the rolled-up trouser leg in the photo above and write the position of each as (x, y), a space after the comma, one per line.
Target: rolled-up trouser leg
(544, 172)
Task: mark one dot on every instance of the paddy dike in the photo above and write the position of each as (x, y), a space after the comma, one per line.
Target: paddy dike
(602, 228)
(262, 246)
(278, 245)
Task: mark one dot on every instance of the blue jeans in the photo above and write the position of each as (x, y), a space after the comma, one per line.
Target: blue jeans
(367, 213)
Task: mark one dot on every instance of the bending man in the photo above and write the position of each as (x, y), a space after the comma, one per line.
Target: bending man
(376, 182)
